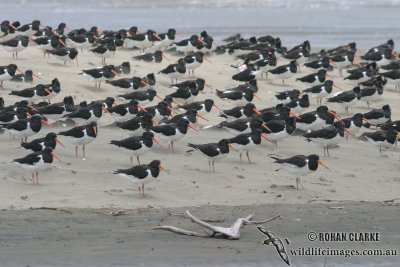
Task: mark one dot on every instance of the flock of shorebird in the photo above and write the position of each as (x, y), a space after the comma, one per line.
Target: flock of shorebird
(168, 121)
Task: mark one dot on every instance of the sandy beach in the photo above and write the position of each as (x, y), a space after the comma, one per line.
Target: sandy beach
(356, 174)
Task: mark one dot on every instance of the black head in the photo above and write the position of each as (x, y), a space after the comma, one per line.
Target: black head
(51, 136)
(358, 119)
(325, 62)
(55, 82)
(1, 103)
(350, 55)
(304, 101)
(208, 103)
(126, 67)
(390, 43)
(293, 66)
(158, 56)
(35, 25)
(48, 150)
(328, 83)
(68, 100)
(223, 146)
(313, 161)
(249, 109)
(12, 68)
(151, 79)
(321, 73)
(61, 26)
(171, 34)
(357, 90)
(148, 135)
(183, 123)
(387, 110)
(155, 166)
(392, 136)
(168, 99)
(93, 127)
(352, 46)
(152, 93)
(73, 53)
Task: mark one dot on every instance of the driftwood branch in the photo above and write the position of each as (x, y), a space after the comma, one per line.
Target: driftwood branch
(232, 232)
(180, 214)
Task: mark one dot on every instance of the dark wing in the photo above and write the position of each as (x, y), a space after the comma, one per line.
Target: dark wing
(169, 69)
(139, 171)
(166, 129)
(95, 73)
(76, 132)
(29, 159)
(325, 133)
(133, 143)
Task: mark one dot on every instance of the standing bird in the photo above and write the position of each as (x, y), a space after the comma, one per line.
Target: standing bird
(7, 72)
(327, 137)
(315, 78)
(81, 136)
(174, 71)
(193, 61)
(202, 107)
(39, 92)
(150, 57)
(26, 77)
(279, 129)
(287, 96)
(136, 145)
(127, 111)
(142, 96)
(98, 75)
(29, 29)
(320, 91)
(15, 45)
(314, 120)
(299, 165)
(379, 116)
(323, 63)
(87, 114)
(128, 83)
(65, 54)
(247, 141)
(347, 98)
(40, 144)
(26, 127)
(372, 94)
(240, 112)
(237, 97)
(212, 151)
(188, 45)
(142, 174)
(104, 51)
(48, 43)
(343, 61)
(36, 162)
(285, 71)
(382, 138)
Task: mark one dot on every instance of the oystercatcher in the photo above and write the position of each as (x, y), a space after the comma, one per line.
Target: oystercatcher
(285, 71)
(202, 107)
(252, 85)
(40, 144)
(126, 83)
(150, 57)
(7, 72)
(381, 57)
(26, 77)
(190, 115)
(391, 125)
(81, 136)
(81, 41)
(29, 29)
(299, 165)
(287, 96)
(159, 111)
(57, 110)
(327, 137)
(97, 75)
(379, 116)
(320, 91)
(138, 123)
(394, 65)
(247, 141)
(240, 112)
(48, 43)
(315, 78)
(15, 45)
(343, 61)
(372, 94)
(104, 51)
(389, 45)
(39, 92)
(212, 151)
(314, 120)
(124, 68)
(323, 63)
(64, 54)
(26, 127)
(124, 112)
(142, 96)
(382, 139)
(299, 105)
(87, 115)
(36, 162)
(347, 98)
(237, 97)
(166, 39)
(172, 132)
(187, 94)
(13, 116)
(240, 126)
(279, 129)
(193, 61)
(354, 123)
(136, 145)
(142, 174)
(187, 45)
(362, 74)
(174, 71)
(142, 40)
(392, 77)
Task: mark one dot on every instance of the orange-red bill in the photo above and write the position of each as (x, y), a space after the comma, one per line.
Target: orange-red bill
(192, 127)
(266, 137)
(255, 110)
(156, 141)
(47, 91)
(106, 109)
(334, 115)
(36, 75)
(155, 121)
(18, 69)
(334, 85)
(365, 120)
(142, 108)
(394, 54)
(58, 141)
(328, 75)
(295, 115)
(217, 107)
(347, 131)
(320, 162)
(159, 97)
(164, 56)
(95, 37)
(266, 127)
(200, 116)
(206, 58)
(114, 72)
(44, 122)
(12, 26)
(255, 95)
(144, 83)
(55, 156)
(163, 169)
(61, 42)
(156, 36)
(94, 130)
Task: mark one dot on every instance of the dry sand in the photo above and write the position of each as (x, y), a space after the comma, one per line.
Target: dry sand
(357, 171)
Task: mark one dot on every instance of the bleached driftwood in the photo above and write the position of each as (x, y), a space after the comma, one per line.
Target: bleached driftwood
(232, 232)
